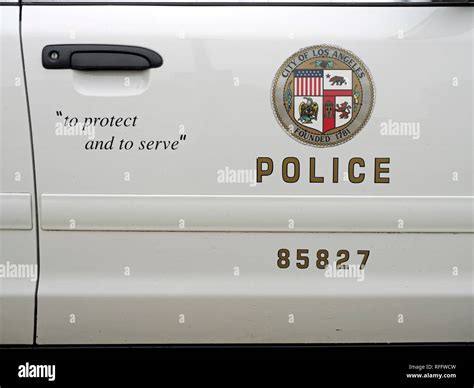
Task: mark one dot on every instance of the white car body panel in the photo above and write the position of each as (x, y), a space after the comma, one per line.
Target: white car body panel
(146, 246)
(18, 251)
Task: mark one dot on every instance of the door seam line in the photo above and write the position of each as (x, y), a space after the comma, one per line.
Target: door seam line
(35, 191)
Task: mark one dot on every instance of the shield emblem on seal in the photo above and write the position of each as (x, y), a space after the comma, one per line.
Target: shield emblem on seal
(337, 98)
(308, 96)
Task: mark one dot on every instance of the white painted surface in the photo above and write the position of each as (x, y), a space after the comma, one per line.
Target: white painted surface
(257, 213)
(15, 211)
(230, 126)
(17, 245)
(206, 52)
(193, 274)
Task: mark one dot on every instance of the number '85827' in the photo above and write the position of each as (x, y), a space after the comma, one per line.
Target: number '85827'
(303, 259)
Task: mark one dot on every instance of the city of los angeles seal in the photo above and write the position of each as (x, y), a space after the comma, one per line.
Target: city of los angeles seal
(323, 95)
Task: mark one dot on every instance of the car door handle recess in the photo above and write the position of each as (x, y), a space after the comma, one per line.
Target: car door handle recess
(99, 57)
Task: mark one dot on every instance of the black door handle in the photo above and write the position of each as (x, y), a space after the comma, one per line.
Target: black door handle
(99, 57)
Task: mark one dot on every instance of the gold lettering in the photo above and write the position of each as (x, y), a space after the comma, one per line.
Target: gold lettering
(381, 170)
(261, 172)
(312, 172)
(296, 169)
(352, 177)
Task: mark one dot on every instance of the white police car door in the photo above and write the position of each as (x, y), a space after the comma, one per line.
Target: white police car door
(236, 173)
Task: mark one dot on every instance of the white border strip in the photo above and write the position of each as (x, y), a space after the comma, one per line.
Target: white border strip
(242, 213)
(15, 211)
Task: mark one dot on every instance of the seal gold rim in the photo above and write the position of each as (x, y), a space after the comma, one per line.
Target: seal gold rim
(367, 114)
